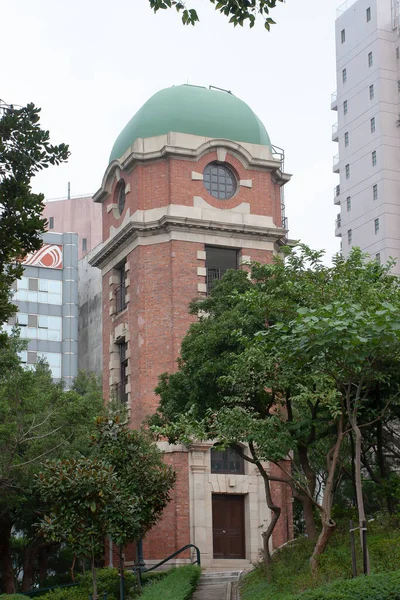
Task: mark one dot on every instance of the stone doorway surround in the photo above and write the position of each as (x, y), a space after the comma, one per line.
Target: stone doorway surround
(203, 483)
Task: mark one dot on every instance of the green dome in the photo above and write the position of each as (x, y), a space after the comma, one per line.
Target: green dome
(196, 110)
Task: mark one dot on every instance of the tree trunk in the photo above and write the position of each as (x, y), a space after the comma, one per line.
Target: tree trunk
(7, 573)
(43, 564)
(30, 554)
(359, 490)
(328, 525)
(275, 510)
(94, 578)
(311, 529)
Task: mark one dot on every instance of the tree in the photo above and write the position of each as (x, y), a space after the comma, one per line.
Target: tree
(25, 150)
(120, 492)
(306, 345)
(38, 420)
(238, 11)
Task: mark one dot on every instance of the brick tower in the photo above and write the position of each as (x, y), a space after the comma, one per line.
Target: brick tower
(193, 188)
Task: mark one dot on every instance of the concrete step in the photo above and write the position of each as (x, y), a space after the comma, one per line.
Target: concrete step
(217, 585)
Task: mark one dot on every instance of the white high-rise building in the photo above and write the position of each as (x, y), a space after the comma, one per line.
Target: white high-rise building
(367, 102)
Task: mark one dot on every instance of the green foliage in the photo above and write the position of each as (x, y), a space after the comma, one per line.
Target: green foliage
(87, 502)
(108, 580)
(25, 149)
(238, 11)
(291, 577)
(374, 587)
(12, 597)
(38, 420)
(179, 584)
(140, 471)
(120, 492)
(68, 593)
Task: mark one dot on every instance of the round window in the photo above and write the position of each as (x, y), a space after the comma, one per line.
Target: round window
(219, 181)
(121, 196)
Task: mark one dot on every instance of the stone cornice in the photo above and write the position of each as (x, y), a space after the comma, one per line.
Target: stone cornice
(168, 223)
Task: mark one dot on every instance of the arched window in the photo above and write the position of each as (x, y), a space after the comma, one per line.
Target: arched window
(226, 461)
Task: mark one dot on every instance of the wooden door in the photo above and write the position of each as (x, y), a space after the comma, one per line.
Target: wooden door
(228, 526)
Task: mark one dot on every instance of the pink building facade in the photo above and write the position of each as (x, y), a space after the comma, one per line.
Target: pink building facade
(79, 215)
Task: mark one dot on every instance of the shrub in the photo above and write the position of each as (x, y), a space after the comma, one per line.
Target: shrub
(385, 586)
(179, 584)
(108, 581)
(68, 593)
(12, 597)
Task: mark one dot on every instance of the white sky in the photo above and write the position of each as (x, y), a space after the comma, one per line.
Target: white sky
(91, 64)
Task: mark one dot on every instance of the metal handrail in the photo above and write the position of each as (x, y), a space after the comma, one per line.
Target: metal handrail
(197, 561)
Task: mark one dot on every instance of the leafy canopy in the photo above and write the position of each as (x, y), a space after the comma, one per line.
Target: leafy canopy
(238, 12)
(25, 149)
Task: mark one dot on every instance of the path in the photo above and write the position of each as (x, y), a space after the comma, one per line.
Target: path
(217, 586)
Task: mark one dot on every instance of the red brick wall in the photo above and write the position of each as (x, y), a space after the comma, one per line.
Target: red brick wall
(282, 496)
(163, 281)
(161, 182)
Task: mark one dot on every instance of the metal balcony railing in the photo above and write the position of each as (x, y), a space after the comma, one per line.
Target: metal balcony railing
(336, 191)
(334, 101)
(214, 274)
(335, 129)
(336, 163)
(338, 222)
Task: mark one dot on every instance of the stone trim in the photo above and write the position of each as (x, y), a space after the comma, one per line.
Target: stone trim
(202, 288)
(192, 147)
(168, 223)
(201, 271)
(201, 255)
(197, 176)
(246, 183)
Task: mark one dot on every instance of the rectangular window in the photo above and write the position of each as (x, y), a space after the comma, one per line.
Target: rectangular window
(348, 203)
(397, 53)
(343, 36)
(123, 373)
(47, 291)
(347, 171)
(226, 461)
(349, 236)
(344, 75)
(32, 358)
(54, 361)
(373, 125)
(378, 258)
(375, 191)
(368, 11)
(376, 226)
(346, 138)
(84, 245)
(371, 92)
(32, 320)
(374, 158)
(120, 290)
(22, 319)
(218, 262)
(51, 223)
(370, 59)
(398, 85)
(345, 107)
(33, 285)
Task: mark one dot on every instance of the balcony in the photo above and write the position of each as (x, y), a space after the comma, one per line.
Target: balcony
(334, 103)
(335, 134)
(336, 163)
(336, 194)
(338, 225)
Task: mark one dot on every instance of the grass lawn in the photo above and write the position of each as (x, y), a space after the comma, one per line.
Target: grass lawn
(291, 577)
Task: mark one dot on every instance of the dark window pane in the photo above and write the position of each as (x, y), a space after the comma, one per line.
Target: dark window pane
(216, 178)
(227, 461)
